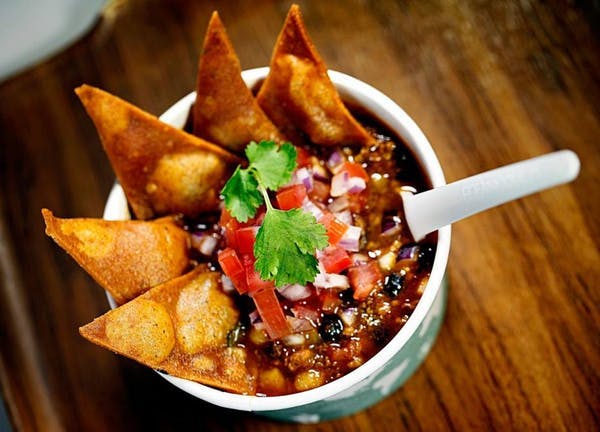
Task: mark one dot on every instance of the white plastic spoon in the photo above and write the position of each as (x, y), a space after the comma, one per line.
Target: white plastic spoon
(427, 211)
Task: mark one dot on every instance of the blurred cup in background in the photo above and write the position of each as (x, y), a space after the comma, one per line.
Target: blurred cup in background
(33, 30)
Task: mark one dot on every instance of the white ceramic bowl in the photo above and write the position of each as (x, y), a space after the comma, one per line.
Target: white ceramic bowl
(394, 364)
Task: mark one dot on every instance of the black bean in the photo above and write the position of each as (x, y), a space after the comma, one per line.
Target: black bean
(425, 258)
(394, 283)
(347, 297)
(331, 328)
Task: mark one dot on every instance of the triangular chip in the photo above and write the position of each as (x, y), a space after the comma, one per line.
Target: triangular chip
(125, 257)
(225, 111)
(298, 95)
(162, 169)
(180, 328)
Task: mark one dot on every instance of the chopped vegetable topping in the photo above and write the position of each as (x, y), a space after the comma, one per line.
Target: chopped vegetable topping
(364, 278)
(291, 197)
(233, 269)
(287, 240)
(323, 259)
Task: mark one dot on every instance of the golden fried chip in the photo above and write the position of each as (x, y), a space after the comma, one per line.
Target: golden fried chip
(179, 327)
(225, 111)
(124, 257)
(298, 95)
(162, 169)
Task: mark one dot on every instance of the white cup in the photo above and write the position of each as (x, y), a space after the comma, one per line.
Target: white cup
(33, 30)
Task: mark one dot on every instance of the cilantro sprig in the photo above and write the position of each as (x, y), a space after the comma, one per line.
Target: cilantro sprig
(287, 240)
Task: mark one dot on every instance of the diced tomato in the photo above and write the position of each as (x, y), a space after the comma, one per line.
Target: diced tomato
(335, 228)
(233, 269)
(253, 279)
(291, 197)
(335, 259)
(244, 239)
(230, 228)
(306, 312)
(225, 217)
(271, 313)
(319, 191)
(355, 170)
(364, 279)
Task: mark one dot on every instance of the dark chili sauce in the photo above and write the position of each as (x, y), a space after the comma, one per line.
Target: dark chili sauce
(344, 332)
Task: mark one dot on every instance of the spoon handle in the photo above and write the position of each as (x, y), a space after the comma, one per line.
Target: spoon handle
(427, 211)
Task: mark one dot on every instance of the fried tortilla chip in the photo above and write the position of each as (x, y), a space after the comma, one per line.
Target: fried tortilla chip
(179, 327)
(225, 111)
(125, 257)
(298, 95)
(162, 169)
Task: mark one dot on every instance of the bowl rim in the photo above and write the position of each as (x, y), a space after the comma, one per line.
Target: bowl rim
(386, 110)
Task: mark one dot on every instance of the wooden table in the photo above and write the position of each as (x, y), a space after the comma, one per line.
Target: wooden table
(488, 82)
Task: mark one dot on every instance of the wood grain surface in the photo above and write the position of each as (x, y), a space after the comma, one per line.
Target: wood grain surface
(489, 82)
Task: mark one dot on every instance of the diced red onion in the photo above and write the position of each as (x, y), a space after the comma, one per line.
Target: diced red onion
(295, 292)
(388, 222)
(339, 204)
(319, 172)
(294, 339)
(254, 317)
(208, 245)
(306, 313)
(196, 238)
(391, 226)
(335, 161)
(408, 252)
(348, 316)
(339, 184)
(312, 208)
(299, 324)
(344, 216)
(342, 183)
(331, 280)
(205, 244)
(351, 239)
(356, 185)
(227, 284)
(303, 176)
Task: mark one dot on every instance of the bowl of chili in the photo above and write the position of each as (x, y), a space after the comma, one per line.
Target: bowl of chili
(418, 318)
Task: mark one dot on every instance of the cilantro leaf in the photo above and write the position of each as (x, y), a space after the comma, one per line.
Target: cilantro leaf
(287, 240)
(273, 163)
(242, 196)
(285, 246)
